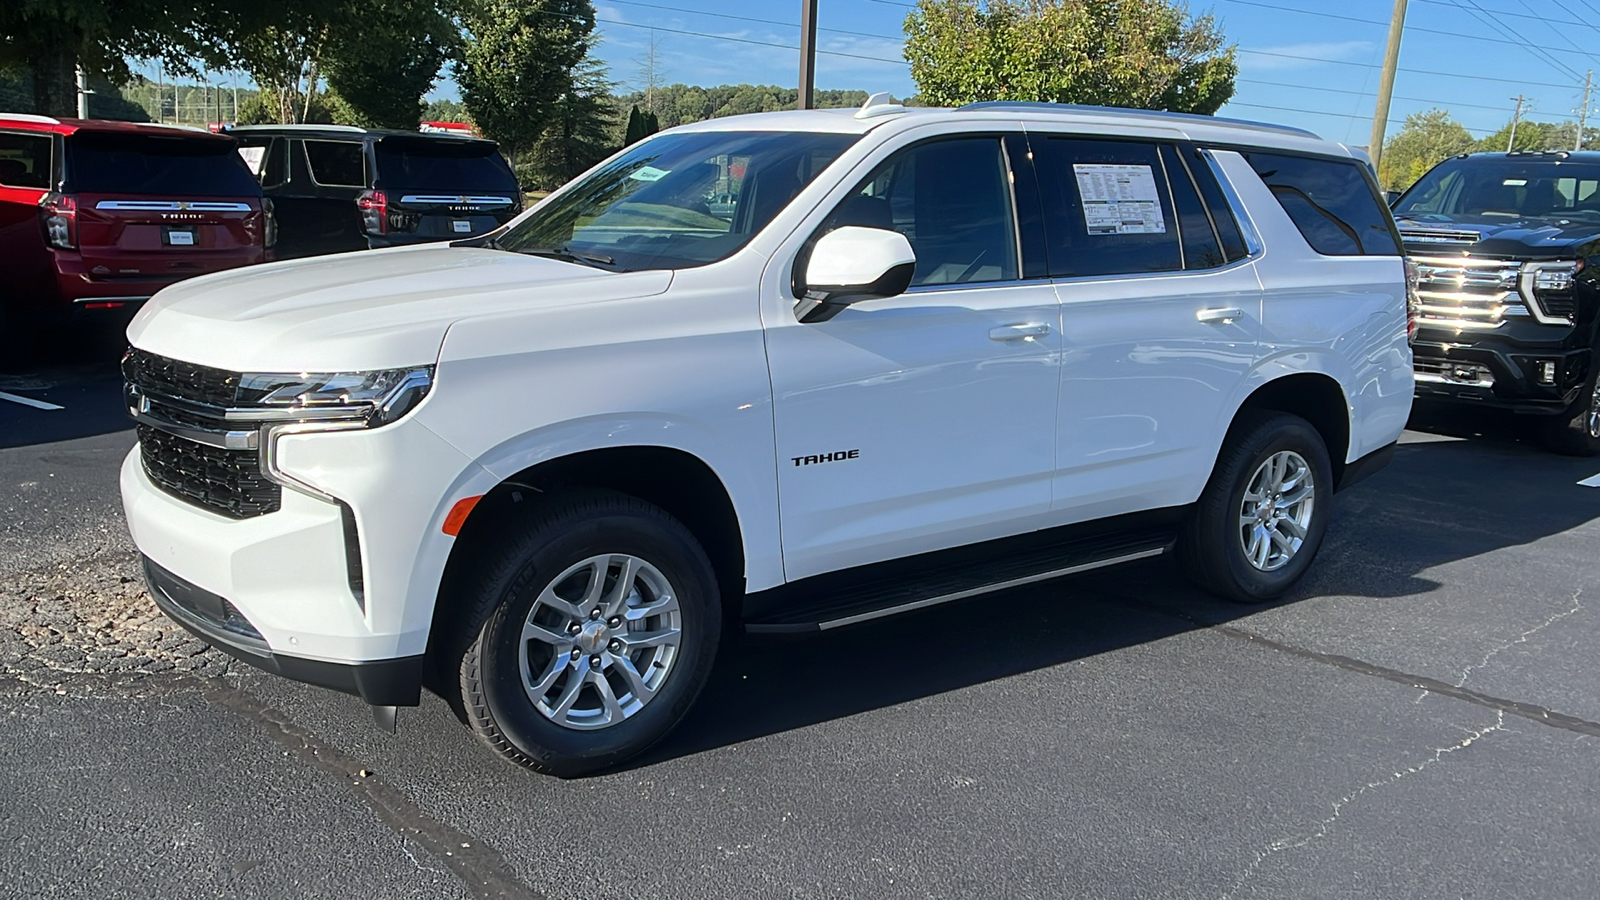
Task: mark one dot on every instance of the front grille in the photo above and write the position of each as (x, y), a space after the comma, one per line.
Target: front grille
(1466, 294)
(229, 482)
(160, 375)
(1439, 237)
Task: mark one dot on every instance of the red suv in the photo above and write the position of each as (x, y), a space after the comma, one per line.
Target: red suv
(96, 216)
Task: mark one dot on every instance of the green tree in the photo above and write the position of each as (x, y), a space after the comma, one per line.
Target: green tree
(1146, 54)
(445, 111)
(1530, 136)
(382, 57)
(579, 136)
(517, 58)
(634, 132)
(1423, 141)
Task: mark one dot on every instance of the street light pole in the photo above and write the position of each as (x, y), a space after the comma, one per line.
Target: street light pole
(1391, 60)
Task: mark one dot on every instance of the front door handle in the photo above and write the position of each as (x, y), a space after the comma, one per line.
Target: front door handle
(1226, 316)
(1019, 332)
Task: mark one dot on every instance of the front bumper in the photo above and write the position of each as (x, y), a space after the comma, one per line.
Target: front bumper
(384, 682)
(1498, 373)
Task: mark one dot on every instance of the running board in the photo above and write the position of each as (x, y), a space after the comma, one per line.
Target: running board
(874, 592)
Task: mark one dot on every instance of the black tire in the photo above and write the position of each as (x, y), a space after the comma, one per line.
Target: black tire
(1212, 543)
(1576, 432)
(568, 529)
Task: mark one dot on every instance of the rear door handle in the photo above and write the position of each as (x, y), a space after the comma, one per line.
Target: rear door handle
(1019, 332)
(1226, 316)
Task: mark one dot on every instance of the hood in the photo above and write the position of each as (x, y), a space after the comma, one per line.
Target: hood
(372, 309)
(1526, 238)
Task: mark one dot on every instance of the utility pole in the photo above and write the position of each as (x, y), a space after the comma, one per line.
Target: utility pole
(1583, 114)
(1516, 117)
(83, 94)
(1391, 60)
(808, 53)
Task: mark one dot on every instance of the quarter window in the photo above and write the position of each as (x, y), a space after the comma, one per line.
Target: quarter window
(1108, 207)
(952, 201)
(25, 160)
(1333, 203)
(336, 163)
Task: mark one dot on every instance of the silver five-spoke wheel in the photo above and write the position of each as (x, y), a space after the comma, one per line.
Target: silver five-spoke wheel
(1594, 411)
(600, 641)
(1275, 514)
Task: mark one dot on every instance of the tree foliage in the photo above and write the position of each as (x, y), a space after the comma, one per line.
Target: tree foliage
(517, 62)
(1146, 54)
(579, 134)
(384, 56)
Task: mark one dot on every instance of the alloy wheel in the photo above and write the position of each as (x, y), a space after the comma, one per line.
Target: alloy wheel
(1275, 514)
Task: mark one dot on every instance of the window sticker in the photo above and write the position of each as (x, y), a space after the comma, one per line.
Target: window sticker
(252, 158)
(648, 173)
(1119, 199)
(1515, 182)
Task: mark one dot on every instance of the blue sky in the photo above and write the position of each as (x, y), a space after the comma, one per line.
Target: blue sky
(1310, 63)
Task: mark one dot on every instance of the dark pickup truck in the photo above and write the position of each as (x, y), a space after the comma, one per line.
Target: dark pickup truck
(1505, 246)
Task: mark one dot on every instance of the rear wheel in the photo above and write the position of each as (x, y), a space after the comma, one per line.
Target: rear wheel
(1576, 432)
(596, 627)
(1262, 517)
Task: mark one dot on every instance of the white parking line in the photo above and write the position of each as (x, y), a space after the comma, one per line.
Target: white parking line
(1591, 481)
(28, 401)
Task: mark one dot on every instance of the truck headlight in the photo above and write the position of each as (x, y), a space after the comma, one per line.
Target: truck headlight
(1548, 288)
(371, 398)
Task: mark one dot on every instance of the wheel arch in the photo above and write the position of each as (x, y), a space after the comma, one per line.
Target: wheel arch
(1315, 397)
(679, 482)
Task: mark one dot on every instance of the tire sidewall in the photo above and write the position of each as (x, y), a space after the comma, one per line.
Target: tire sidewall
(682, 563)
(1300, 437)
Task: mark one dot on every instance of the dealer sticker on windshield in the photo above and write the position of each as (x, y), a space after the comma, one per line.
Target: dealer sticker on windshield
(1119, 199)
(647, 173)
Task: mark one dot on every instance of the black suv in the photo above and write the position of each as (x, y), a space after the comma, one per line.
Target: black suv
(1505, 246)
(336, 188)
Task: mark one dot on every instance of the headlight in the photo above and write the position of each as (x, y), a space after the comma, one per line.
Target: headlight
(1548, 288)
(373, 398)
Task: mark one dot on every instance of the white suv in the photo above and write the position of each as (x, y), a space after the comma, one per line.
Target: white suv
(786, 371)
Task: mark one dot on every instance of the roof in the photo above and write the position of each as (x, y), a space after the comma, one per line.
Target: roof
(1091, 119)
(69, 126)
(345, 131)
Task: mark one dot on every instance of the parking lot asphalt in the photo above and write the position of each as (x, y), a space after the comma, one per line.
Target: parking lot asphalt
(1420, 719)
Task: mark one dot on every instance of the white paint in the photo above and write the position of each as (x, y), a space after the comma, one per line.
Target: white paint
(28, 401)
(1591, 481)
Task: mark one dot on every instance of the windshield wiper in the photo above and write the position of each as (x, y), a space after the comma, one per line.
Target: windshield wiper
(566, 253)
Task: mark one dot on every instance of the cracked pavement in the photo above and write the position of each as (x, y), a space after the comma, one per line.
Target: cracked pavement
(1418, 720)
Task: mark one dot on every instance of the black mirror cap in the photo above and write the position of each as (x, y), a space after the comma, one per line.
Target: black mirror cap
(824, 301)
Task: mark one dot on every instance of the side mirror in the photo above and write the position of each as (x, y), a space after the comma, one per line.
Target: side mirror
(851, 264)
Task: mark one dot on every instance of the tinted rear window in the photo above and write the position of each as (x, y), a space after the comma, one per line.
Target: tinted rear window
(432, 164)
(157, 165)
(1333, 203)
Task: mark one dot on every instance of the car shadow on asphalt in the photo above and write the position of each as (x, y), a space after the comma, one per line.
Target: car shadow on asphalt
(1473, 484)
(74, 369)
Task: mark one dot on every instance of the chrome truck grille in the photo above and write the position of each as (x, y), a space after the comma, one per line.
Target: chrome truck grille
(1468, 294)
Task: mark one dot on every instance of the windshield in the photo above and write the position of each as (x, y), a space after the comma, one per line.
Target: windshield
(1506, 188)
(679, 200)
(437, 164)
(179, 165)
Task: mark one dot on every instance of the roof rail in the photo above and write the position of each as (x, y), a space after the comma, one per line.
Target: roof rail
(29, 117)
(1120, 112)
(1561, 153)
(300, 127)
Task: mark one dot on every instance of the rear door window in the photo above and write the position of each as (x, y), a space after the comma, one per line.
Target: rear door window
(442, 165)
(1201, 247)
(1108, 207)
(25, 160)
(1333, 202)
(336, 163)
(154, 164)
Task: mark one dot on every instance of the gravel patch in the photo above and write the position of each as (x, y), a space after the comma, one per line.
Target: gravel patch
(93, 617)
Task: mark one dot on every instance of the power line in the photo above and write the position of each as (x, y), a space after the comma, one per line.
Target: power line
(699, 12)
(1307, 87)
(1483, 15)
(1504, 39)
(720, 37)
(1310, 112)
(1346, 62)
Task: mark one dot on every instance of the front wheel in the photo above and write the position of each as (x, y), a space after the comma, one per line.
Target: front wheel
(1261, 519)
(598, 624)
(1576, 432)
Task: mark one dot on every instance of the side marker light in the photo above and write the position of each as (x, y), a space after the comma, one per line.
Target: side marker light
(458, 514)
